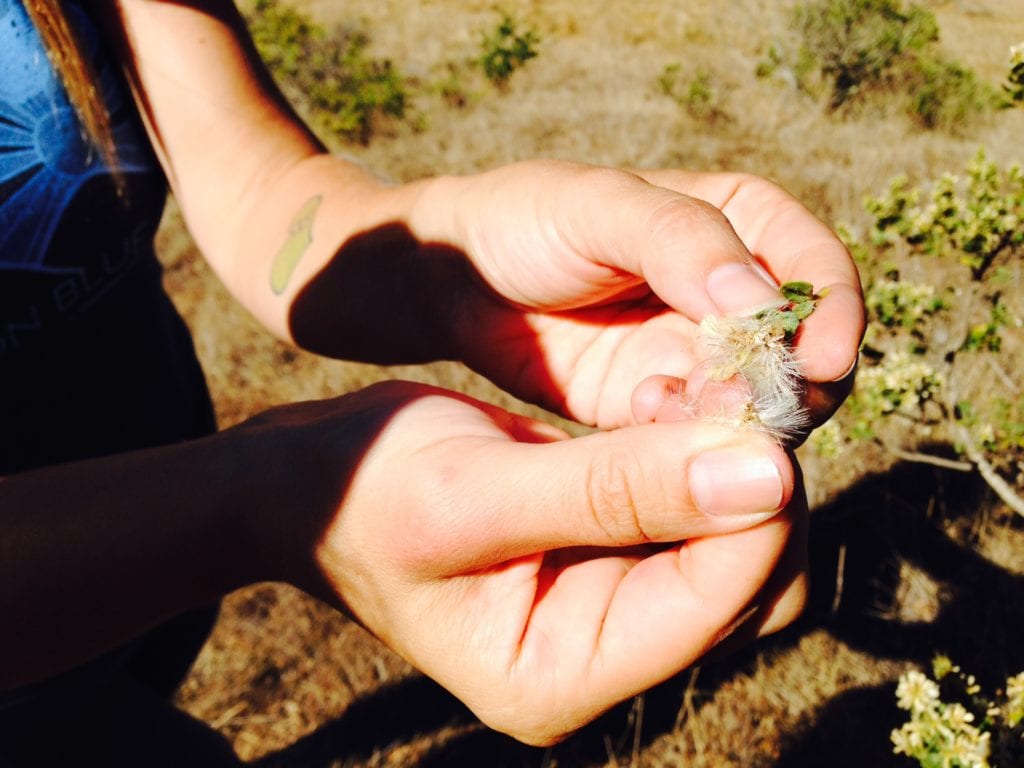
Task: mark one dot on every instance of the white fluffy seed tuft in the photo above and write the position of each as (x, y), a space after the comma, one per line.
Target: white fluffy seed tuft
(757, 349)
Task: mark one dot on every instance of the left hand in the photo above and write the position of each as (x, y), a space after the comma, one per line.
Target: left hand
(540, 579)
(593, 279)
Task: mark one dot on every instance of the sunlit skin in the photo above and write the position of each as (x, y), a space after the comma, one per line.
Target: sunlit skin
(541, 579)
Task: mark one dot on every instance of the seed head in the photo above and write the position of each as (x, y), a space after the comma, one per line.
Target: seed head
(758, 348)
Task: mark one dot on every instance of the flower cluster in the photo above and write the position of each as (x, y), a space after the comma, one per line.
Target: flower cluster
(901, 303)
(916, 692)
(827, 439)
(952, 724)
(937, 733)
(899, 382)
(1015, 700)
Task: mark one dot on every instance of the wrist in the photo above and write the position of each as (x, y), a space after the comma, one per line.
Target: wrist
(263, 510)
(384, 288)
(441, 218)
(298, 463)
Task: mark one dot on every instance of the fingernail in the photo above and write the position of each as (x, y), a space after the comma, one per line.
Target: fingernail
(735, 481)
(849, 371)
(742, 288)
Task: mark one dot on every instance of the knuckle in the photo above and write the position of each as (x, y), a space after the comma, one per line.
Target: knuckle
(603, 177)
(596, 182)
(426, 513)
(680, 216)
(744, 180)
(617, 496)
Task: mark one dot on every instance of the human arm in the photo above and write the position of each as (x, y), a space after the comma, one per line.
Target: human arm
(538, 578)
(93, 553)
(566, 284)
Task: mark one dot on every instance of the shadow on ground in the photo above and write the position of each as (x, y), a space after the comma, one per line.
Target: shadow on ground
(881, 522)
(864, 534)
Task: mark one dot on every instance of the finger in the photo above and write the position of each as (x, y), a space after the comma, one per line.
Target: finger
(682, 246)
(782, 599)
(786, 595)
(823, 400)
(771, 612)
(667, 398)
(670, 609)
(829, 340)
(633, 627)
(794, 244)
(660, 398)
(499, 500)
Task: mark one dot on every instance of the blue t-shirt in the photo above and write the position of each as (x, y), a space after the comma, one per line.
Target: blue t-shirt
(93, 357)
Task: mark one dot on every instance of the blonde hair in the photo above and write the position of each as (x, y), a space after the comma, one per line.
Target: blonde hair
(77, 75)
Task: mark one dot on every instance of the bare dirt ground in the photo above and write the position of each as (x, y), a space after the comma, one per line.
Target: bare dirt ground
(906, 559)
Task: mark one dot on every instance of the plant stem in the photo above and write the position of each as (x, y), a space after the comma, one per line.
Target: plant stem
(988, 472)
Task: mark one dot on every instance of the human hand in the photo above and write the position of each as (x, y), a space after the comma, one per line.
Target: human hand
(593, 280)
(539, 578)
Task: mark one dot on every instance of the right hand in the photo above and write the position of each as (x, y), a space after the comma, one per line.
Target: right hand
(588, 280)
(541, 579)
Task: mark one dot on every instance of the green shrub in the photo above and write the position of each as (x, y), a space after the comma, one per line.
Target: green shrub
(767, 66)
(698, 93)
(859, 50)
(329, 77)
(975, 219)
(505, 49)
(945, 94)
(1014, 85)
(938, 363)
(902, 303)
(856, 43)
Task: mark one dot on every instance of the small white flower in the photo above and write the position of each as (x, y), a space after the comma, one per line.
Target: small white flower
(907, 740)
(972, 685)
(916, 692)
(958, 717)
(1015, 684)
(1017, 54)
(986, 433)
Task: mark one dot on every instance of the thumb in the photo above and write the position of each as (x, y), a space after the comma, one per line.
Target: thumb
(683, 247)
(650, 483)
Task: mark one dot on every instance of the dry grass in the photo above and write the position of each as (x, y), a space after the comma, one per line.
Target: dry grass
(924, 559)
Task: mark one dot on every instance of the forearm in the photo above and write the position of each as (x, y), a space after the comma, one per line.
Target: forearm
(320, 250)
(94, 553)
(346, 266)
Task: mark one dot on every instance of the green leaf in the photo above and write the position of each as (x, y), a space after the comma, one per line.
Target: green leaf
(790, 322)
(803, 309)
(797, 290)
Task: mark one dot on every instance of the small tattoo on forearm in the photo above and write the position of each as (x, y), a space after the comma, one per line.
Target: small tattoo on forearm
(300, 235)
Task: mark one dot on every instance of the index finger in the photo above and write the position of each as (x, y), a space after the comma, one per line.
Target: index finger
(793, 244)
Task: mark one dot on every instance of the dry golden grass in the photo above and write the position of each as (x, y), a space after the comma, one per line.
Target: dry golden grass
(906, 559)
